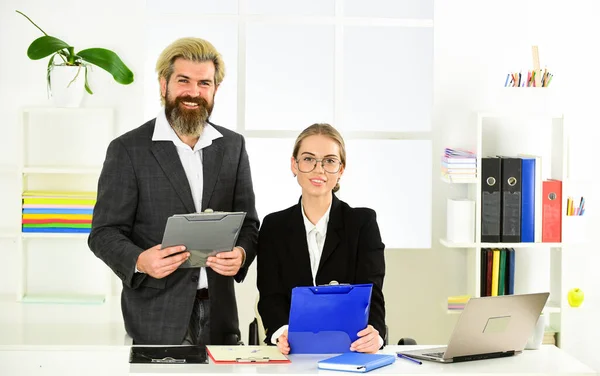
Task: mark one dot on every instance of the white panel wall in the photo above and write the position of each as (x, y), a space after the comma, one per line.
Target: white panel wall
(392, 173)
(298, 65)
(288, 87)
(388, 78)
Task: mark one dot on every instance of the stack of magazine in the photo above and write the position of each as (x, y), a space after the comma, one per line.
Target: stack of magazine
(459, 165)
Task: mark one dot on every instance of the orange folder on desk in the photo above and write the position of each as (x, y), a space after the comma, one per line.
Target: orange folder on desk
(245, 354)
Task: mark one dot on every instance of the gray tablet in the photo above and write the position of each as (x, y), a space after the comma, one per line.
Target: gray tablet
(203, 234)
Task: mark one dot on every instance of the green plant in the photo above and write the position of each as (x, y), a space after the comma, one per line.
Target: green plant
(47, 45)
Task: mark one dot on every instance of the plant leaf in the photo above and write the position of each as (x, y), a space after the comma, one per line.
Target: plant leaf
(110, 62)
(45, 46)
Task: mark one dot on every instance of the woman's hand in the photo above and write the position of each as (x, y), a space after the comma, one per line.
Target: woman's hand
(368, 341)
(282, 343)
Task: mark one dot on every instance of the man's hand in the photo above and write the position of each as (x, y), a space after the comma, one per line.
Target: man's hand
(156, 261)
(282, 343)
(227, 263)
(368, 341)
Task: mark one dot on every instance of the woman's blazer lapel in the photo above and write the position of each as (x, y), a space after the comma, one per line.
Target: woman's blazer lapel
(298, 247)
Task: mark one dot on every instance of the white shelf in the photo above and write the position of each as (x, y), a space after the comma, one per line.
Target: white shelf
(549, 308)
(448, 244)
(52, 235)
(448, 180)
(62, 170)
(60, 150)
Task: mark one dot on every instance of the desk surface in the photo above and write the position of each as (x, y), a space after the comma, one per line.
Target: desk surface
(113, 360)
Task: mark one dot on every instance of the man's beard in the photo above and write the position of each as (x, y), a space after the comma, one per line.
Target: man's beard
(186, 121)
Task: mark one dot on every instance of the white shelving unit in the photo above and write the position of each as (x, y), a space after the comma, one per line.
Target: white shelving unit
(538, 265)
(62, 150)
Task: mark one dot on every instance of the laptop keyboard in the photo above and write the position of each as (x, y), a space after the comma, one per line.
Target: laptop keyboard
(435, 354)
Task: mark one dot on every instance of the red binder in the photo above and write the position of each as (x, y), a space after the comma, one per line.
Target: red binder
(551, 211)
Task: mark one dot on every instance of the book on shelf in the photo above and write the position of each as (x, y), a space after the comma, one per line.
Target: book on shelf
(497, 272)
(459, 153)
(458, 302)
(57, 211)
(458, 164)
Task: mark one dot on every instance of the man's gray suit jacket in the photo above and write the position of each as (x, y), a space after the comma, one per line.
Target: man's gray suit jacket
(142, 183)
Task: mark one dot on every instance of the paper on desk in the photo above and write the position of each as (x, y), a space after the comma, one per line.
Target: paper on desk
(246, 354)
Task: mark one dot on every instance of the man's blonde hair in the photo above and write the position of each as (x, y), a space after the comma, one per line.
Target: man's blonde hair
(328, 131)
(192, 49)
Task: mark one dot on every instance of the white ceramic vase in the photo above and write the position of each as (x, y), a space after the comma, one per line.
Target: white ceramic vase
(67, 85)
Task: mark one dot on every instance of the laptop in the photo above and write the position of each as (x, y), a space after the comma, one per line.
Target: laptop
(489, 327)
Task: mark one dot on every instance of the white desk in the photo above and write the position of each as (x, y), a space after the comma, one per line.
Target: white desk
(113, 360)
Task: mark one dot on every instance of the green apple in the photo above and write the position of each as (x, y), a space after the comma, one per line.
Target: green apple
(575, 297)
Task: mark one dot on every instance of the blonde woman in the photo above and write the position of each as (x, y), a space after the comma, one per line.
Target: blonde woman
(319, 240)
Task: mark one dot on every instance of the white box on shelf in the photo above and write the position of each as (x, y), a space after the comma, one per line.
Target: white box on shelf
(460, 221)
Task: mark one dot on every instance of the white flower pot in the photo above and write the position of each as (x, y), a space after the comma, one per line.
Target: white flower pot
(67, 85)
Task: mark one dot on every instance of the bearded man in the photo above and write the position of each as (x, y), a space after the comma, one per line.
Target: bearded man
(177, 163)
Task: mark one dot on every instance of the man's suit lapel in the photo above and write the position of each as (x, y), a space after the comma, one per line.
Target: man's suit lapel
(212, 159)
(334, 229)
(298, 248)
(165, 153)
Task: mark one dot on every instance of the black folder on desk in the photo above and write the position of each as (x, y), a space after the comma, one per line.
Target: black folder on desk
(168, 354)
(511, 200)
(490, 200)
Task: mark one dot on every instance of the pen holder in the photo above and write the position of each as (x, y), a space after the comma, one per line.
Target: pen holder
(575, 229)
(524, 99)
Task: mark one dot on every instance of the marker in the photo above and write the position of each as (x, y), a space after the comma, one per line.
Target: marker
(402, 356)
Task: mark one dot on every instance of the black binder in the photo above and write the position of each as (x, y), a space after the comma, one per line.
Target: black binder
(168, 354)
(511, 200)
(490, 200)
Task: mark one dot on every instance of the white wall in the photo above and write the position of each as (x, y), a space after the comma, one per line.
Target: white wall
(476, 43)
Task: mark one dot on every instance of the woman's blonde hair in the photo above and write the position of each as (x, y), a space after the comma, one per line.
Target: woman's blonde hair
(192, 49)
(327, 131)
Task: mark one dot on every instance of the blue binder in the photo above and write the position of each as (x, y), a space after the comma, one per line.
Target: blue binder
(528, 200)
(326, 319)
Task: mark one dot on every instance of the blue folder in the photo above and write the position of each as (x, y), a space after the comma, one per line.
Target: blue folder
(326, 319)
(356, 362)
(528, 200)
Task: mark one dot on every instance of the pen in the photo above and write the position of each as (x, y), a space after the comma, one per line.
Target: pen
(409, 358)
